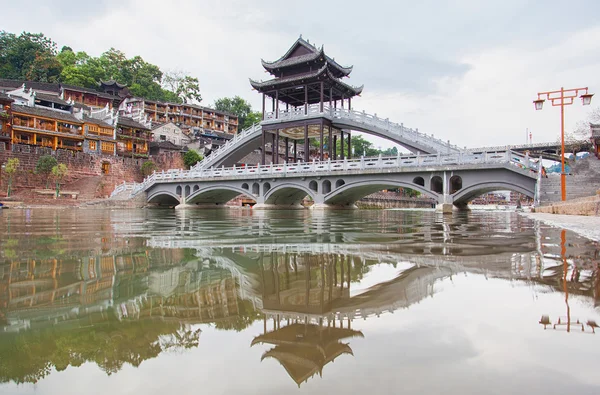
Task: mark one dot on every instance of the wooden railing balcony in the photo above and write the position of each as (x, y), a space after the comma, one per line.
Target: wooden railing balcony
(64, 129)
(22, 122)
(46, 126)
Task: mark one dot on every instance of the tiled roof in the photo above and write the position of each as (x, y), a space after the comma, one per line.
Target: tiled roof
(38, 86)
(95, 121)
(125, 121)
(88, 90)
(51, 98)
(43, 112)
(5, 97)
(165, 145)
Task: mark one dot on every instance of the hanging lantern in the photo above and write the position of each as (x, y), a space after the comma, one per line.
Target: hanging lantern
(586, 99)
(539, 103)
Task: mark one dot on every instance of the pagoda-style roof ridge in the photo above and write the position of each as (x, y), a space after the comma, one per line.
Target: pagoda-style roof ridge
(292, 78)
(357, 89)
(315, 53)
(283, 62)
(299, 41)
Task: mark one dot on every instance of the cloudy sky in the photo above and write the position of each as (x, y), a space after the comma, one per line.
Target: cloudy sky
(464, 70)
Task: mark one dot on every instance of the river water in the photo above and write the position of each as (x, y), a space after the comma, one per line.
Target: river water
(235, 301)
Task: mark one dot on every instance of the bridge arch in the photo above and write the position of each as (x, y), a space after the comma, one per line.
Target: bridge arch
(419, 181)
(256, 189)
(455, 184)
(326, 187)
(178, 190)
(288, 194)
(353, 191)
(163, 198)
(220, 194)
(436, 184)
(339, 183)
(313, 186)
(187, 190)
(472, 191)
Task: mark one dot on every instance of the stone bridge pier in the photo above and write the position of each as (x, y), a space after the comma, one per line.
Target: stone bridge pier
(448, 188)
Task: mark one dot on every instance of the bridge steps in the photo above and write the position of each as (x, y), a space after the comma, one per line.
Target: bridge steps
(584, 181)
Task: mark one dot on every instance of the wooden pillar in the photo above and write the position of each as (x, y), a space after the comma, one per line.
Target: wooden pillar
(295, 151)
(349, 146)
(263, 115)
(334, 147)
(276, 104)
(306, 148)
(349, 103)
(321, 142)
(263, 141)
(341, 144)
(305, 99)
(321, 105)
(273, 148)
(287, 151)
(342, 102)
(273, 104)
(329, 141)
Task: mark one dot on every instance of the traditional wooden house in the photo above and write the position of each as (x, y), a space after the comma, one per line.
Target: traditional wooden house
(44, 127)
(133, 138)
(99, 137)
(5, 120)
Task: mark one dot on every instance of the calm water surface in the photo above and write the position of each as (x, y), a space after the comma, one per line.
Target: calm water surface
(188, 302)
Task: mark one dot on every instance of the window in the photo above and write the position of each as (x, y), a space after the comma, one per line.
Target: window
(105, 167)
(108, 147)
(163, 137)
(92, 146)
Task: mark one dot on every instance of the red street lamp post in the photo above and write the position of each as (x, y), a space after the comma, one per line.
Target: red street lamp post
(562, 98)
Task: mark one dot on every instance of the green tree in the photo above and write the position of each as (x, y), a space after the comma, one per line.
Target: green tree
(185, 87)
(238, 107)
(28, 56)
(59, 172)
(148, 167)
(191, 157)
(252, 118)
(360, 146)
(11, 169)
(44, 167)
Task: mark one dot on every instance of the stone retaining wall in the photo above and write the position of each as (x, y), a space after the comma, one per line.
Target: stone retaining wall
(82, 165)
(582, 206)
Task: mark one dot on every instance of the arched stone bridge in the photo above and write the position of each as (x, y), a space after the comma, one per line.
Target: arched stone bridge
(448, 179)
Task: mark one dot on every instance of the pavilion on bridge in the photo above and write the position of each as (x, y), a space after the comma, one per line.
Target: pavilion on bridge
(306, 80)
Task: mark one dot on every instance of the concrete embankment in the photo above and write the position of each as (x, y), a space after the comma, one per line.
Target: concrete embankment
(586, 226)
(589, 206)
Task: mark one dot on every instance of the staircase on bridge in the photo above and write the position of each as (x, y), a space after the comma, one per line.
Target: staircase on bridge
(583, 181)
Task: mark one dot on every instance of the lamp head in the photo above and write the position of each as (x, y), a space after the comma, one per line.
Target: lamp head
(586, 99)
(539, 104)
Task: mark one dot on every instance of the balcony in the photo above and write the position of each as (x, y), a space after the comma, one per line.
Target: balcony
(28, 123)
(69, 130)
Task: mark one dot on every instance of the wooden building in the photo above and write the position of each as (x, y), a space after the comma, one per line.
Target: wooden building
(304, 77)
(44, 127)
(133, 138)
(193, 116)
(5, 120)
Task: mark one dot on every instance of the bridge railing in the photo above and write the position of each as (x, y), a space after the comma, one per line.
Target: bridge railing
(378, 164)
(219, 152)
(373, 120)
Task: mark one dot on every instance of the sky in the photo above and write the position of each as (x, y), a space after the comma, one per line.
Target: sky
(464, 70)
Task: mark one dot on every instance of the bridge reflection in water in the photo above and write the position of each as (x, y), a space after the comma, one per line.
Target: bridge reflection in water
(136, 298)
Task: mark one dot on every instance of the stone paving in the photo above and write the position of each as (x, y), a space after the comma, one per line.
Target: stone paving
(586, 226)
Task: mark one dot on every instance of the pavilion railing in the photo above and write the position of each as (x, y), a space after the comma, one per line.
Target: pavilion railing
(363, 165)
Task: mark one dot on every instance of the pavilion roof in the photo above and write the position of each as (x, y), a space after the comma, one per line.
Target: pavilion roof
(302, 53)
(302, 363)
(95, 121)
(300, 334)
(111, 83)
(289, 92)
